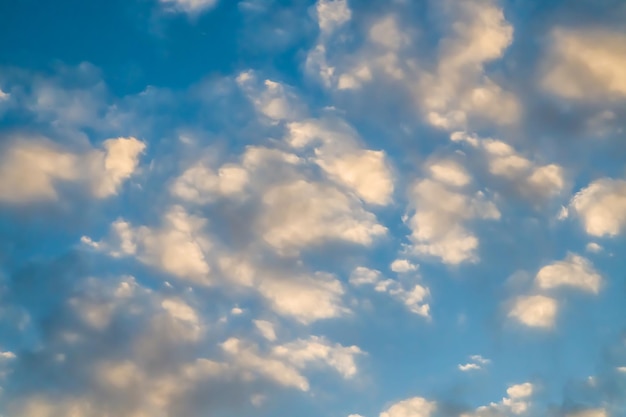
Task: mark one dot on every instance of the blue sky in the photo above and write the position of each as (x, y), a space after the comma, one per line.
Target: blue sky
(312, 208)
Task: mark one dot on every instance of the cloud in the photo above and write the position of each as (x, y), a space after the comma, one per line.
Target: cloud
(300, 214)
(32, 170)
(412, 407)
(516, 403)
(529, 178)
(266, 329)
(179, 247)
(601, 207)
(440, 212)
(575, 271)
(534, 311)
(586, 64)
(332, 14)
(401, 266)
(338, 154)
(477, 363)
(413, 296)
(189, 6)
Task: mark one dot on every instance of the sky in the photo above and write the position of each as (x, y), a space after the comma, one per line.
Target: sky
(331, 208)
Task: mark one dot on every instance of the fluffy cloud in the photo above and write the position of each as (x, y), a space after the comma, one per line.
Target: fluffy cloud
(179, 247)
(575, 271)
(412, 407)
(413, 296)
(305, 298)
(332, 14)
(301, 213)
(440, 213)
(458, 88)
(585, 64)
(516, 403)
(534, 311)
(602, 207)
(527, 177)
(33, 169)
(477, 363)
(365, 172)
(200, 184)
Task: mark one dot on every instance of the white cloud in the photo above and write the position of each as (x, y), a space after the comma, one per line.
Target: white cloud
(332, 14)
(387, 33)
(401, 266)
(575, 271)
(31, 169)
(520, 390)
(602, 207)
(412, 407)
(316, 349)
(413, 299)
(190, 6)
(477, 363)
(301, 214)
(266, 329)
(305, 298)
(517, 402)
(528, 177)
(593, 247)
(364, 276)
(200, 184)
(586, 64)
(284, 363)
(534, 311)
(272, 99)
(450, 172)
(621, 369)
(469, 367)
(337, 152)
(4, 96)
(180, 247)
(458, 88)
(438, 223)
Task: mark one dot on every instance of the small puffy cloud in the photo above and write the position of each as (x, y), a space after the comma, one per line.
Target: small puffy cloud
(534, 311)
(438, 222)
(450, 172)
(520, 390)
(413, 297)
(179, 247)
(503, 161)
(574, 271)
(458, 88)
(332, 14)
(593, 247)
(266, 329)
(200, 184)
(586, 64)
(284, 363)
(401, 266)
(305, 298)
(601, 207)
(516, 403)
(300, 214)
(272, 99)
(31, 169)
(364, 276)
(412, 407)
(318, 349)
(189, 6)
(338, 152)
(476, 363)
